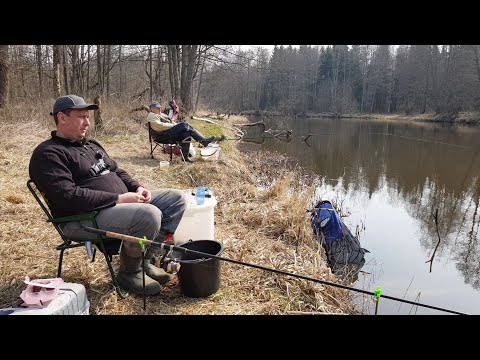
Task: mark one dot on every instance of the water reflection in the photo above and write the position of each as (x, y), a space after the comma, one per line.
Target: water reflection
(409, 171)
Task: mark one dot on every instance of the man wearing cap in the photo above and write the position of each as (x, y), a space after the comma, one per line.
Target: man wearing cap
(160, 123)
(76, 175)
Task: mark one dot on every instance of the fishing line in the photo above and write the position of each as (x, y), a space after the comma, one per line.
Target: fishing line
(305, 138)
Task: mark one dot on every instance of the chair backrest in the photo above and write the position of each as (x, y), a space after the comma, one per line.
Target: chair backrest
(107, 246)
(111, 245)
(41, 200)
(159, 137)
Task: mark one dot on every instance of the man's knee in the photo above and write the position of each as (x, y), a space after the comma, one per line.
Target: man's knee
(184, 126)
(179, 197)
(146, 221)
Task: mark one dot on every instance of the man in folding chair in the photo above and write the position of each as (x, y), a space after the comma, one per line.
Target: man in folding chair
(161, 123)
(76, 175)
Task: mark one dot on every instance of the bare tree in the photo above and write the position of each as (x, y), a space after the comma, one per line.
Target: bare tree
(57, 73)
(120, 65)
(173, 68)
(38, 55)
(107, 60)
(150, 62)
(99, 69)
(3, 75)
(88, 71)
(65, 68)
(97, 116)
(75, 75)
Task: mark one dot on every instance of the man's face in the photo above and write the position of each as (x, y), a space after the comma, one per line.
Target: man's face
(75, 125)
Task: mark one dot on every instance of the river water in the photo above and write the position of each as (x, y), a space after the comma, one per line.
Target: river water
(393, 177)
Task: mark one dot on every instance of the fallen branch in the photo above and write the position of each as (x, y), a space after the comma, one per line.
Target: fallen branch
(203, 119)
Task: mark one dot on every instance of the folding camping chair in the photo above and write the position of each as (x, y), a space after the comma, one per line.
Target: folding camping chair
(107, 246)
(164, 139)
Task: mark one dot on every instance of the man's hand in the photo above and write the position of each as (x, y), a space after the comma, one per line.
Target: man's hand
(146, 193)
(133, 197)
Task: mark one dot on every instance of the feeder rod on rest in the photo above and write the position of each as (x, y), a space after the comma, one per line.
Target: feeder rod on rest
(136, 240)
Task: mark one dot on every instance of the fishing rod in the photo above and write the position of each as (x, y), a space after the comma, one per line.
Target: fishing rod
(163, 246)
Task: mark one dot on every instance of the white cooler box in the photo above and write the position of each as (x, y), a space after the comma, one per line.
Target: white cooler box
(198, 220)
(70, 300)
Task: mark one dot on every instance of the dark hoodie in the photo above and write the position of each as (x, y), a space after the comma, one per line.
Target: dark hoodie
(77, 176)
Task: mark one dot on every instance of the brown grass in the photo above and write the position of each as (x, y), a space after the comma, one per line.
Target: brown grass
(260, 218)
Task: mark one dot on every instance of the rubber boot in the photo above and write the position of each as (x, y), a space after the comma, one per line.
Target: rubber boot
(202, 139)
(186, 152)
(130, 274)
(153, 256)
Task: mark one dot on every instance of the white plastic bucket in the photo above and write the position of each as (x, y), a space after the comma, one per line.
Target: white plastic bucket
(197, 222)
(164, 165)
(211, 152)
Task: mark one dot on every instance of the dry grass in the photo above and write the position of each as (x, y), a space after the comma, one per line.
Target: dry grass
(260, 218)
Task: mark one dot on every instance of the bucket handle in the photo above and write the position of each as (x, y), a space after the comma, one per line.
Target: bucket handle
(196, 260)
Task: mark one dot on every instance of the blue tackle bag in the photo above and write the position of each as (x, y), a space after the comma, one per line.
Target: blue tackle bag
(325, 219)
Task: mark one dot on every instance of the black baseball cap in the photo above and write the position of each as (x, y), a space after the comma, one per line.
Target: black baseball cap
(71, 102)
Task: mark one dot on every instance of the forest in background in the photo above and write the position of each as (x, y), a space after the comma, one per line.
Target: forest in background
(341, 79)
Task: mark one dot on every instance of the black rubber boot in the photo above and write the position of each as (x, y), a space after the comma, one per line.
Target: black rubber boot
(202, 139)
(185, 152)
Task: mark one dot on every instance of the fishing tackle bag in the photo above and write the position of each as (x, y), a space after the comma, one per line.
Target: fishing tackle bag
(341, 247)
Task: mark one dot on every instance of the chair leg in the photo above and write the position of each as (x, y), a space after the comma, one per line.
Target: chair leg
(60, 260)
(152, 148)
(179, 145)
(112, 274)
(93, 256)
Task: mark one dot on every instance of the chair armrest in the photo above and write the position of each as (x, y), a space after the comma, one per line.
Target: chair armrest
(86, 216)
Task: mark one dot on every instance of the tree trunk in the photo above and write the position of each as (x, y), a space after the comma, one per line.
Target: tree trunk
(99, 69)
(150, 60)
(189, 67)
(199, 83)
(3, 76)
(88, 72)
(107, 69)
(65, 68)
(120, 69)
(98, 113)
(38, 54)
(173, 68)
(74, 57)
(57, 60)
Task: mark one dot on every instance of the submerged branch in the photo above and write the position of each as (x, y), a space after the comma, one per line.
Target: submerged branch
(438, 243)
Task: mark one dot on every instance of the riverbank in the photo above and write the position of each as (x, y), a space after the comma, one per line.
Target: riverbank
(260, 219)
(461, 118)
